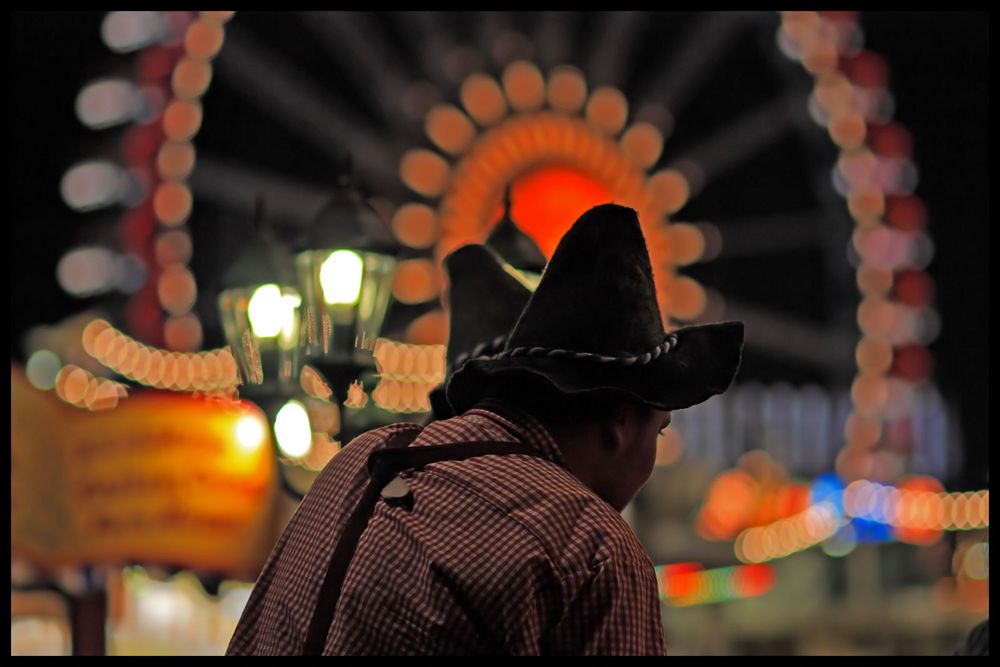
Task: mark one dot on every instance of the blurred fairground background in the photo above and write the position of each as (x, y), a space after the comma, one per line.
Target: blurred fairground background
(185, 183)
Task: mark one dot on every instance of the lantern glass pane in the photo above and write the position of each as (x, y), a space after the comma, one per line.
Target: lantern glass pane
(345, 297)
(262, 329)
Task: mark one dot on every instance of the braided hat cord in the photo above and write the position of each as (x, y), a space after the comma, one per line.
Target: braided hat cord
(624, 360)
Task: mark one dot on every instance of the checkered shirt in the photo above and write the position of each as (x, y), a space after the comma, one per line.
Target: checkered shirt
(499, 554)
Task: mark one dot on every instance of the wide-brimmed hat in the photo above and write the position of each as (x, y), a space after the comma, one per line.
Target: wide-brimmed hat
(485, 298)
(594, 325)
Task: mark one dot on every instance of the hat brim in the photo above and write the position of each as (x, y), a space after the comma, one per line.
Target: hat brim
(702, 364)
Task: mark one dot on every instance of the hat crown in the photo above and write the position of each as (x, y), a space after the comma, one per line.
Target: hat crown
(484, 300)
(597, 293)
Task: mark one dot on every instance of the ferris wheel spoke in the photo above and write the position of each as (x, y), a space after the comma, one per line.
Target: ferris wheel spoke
(304, 107)
(430, 45)
(785, 232)
(787, 337)
(490, 27)
(553, 35)
(607, 62)
(706, 45)
(741, 140)
(234, 187)
(350, 37)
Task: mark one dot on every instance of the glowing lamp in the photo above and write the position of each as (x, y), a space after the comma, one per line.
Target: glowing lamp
(345, 272)
(259, 306)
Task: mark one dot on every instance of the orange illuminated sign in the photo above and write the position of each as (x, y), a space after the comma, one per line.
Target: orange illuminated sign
(163, 478)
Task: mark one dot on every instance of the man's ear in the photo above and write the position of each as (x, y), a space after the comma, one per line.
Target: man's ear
(617, 428)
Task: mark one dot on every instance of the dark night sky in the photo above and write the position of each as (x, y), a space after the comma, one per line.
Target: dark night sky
(939, 80)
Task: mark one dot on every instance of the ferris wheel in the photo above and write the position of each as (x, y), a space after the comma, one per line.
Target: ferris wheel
(759, 149)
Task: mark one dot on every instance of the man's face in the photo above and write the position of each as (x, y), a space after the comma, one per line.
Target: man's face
(641, 428)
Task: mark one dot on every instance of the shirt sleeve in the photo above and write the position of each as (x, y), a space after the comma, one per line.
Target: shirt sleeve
(615, 611)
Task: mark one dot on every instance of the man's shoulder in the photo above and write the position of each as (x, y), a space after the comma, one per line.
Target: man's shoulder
(574, 526)
(351, 459)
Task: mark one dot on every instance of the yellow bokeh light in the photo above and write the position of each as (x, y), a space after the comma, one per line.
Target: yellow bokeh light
(862, 431)
(204, 38)
(670, 190)
(567, 89)
(74, 387)
(870, 391)
(415, 281)
(874, 281)
(429, 329)
(873, 356)
(866, 206)
(183, 332)
(181, 120)
(875, 317)
(173, 247)
(607, 109)
(172, 203)
(449, 128)
(687, 243)
(424, 172)
(848, 130)
(177, 290)
(90, 334)
(217, 16)
(642, 144)
(191, 78)
(685, 299)
(524, 85)
(175, 160)
(483, 99)
(415, 225)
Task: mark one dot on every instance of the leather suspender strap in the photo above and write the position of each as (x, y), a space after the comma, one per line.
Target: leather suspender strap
(329, 592)
(383, 465)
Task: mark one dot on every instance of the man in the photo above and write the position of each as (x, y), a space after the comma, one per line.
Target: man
(511, 542)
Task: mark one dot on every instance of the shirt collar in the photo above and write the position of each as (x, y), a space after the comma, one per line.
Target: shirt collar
(521, 425)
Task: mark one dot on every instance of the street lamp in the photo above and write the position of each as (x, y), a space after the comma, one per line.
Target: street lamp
(323, 308)
(345, 273)
(259, 306)
(516, 247)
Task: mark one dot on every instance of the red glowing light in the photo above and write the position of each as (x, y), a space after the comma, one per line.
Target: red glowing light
(137, 228)
(905, 213)
(753, 580)
(144, 317)
(891, 140)
(156, 63)
(546, 201)
(867, 69)
(141, 143)
(680, 579)
(912, 363)
(913, 288)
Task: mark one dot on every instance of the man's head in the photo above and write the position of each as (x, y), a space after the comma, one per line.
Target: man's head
(593, 337)
(607, 439)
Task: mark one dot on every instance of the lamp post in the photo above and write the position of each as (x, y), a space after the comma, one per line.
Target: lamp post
(323, 307)
(259, 306)
(516, 247)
